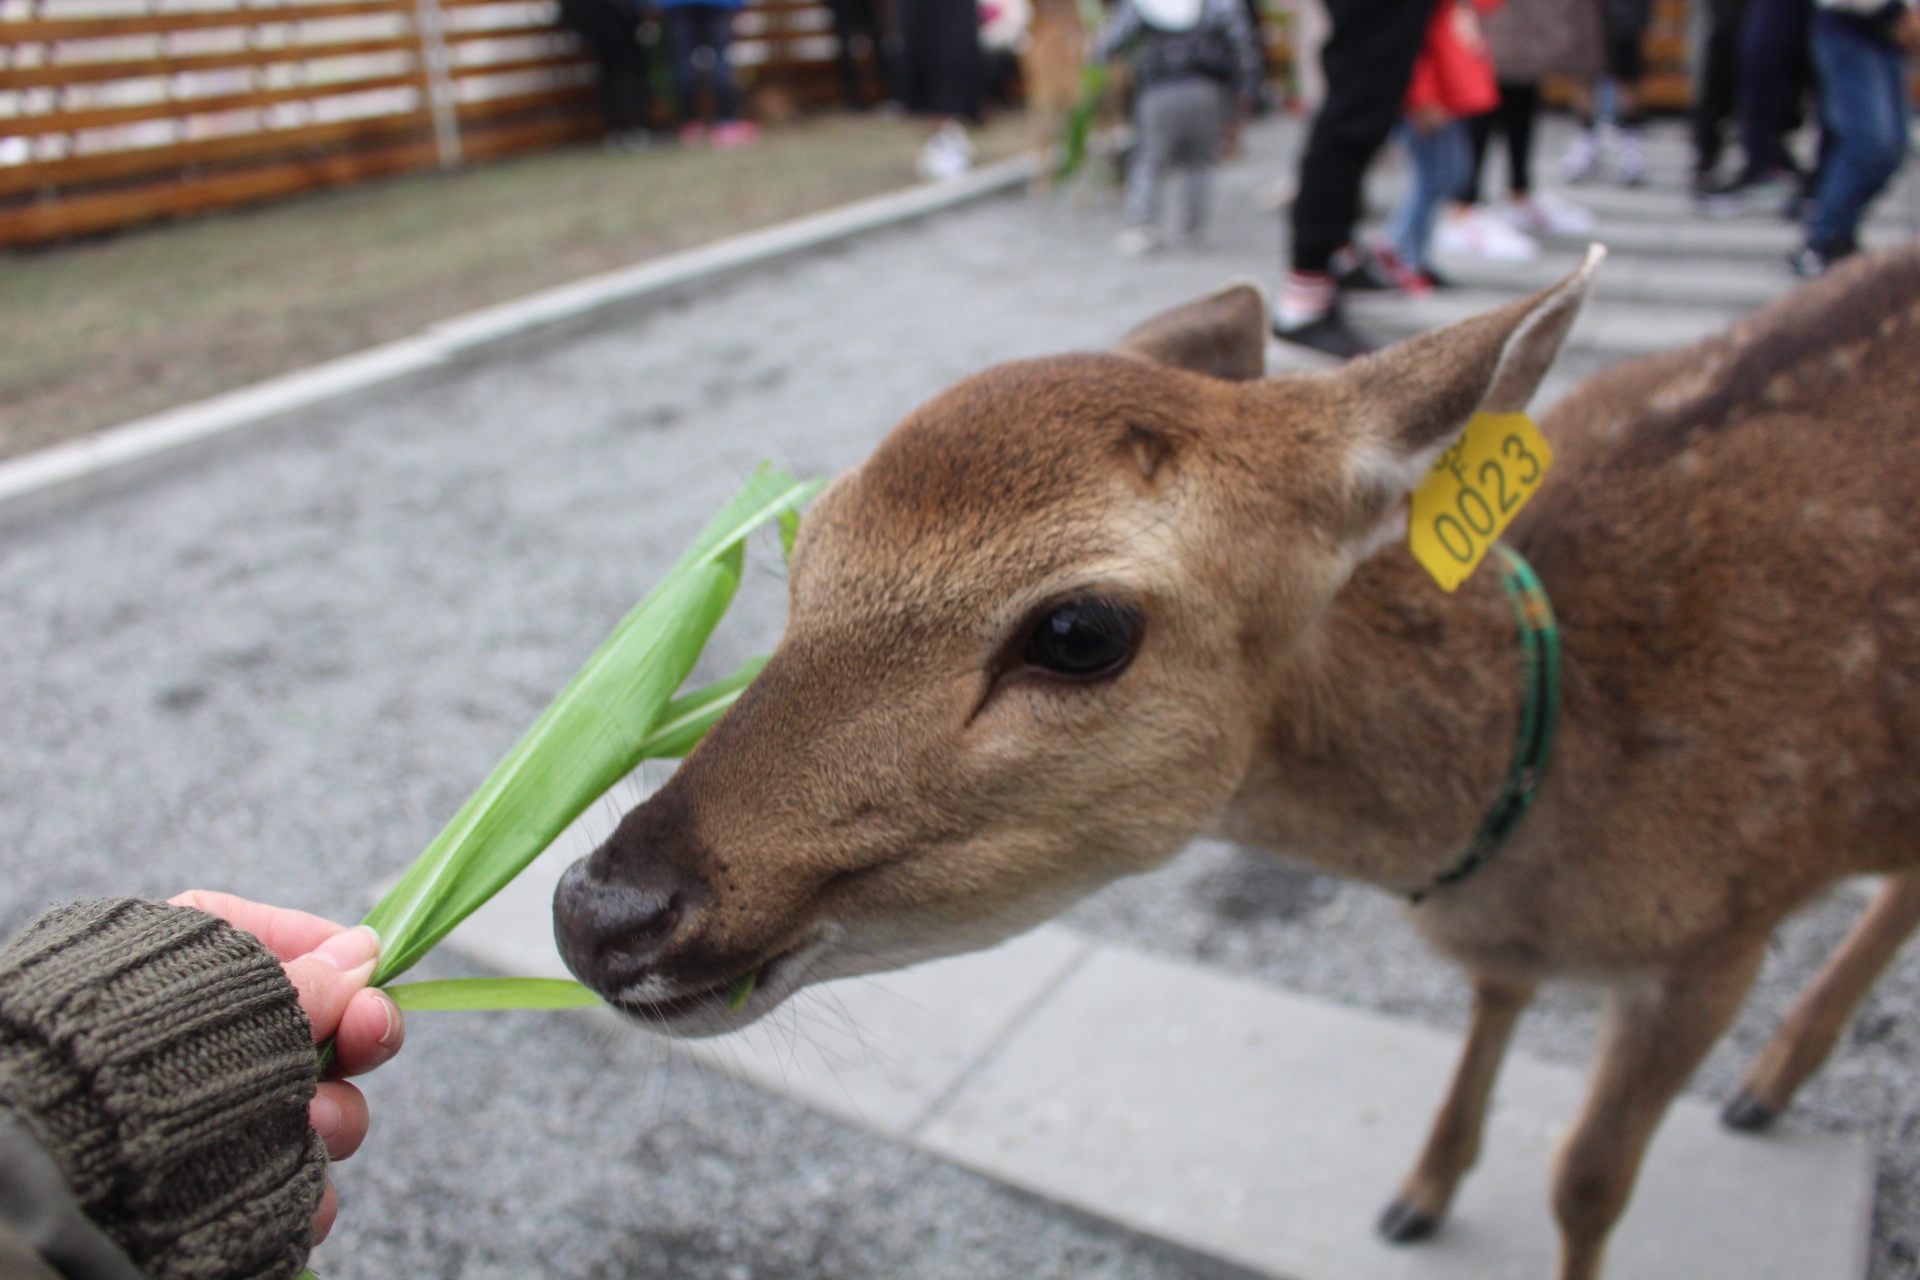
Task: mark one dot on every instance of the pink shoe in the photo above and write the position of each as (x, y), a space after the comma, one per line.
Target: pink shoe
(736, 133)
(693, 133)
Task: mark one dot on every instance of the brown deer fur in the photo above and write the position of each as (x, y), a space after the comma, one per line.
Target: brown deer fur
(1731, 537)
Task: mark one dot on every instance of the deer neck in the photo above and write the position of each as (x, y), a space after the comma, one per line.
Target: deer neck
(1392, 730)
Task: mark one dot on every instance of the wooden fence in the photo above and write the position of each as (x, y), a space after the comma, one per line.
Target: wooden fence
(117, 111)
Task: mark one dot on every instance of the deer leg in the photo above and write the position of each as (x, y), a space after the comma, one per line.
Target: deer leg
(1454, 1143)
(1653, 1038)
(1824, 1008)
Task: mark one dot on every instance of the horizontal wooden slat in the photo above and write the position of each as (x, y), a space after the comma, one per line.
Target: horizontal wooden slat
(87, 214)
(518, 64)
(39, 30)
(571, 95)
(500, 140)
(178, 108)
(64, 73)
(111, 165)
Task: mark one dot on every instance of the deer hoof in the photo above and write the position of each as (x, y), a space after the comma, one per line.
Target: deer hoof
(1404, 1224)
(1747, 1113)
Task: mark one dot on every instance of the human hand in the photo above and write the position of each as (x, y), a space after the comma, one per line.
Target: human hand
(1426, 119)
(329, 965)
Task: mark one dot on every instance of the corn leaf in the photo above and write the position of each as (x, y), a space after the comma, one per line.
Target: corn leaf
(687, 719)
(491, 993)
(599, 728)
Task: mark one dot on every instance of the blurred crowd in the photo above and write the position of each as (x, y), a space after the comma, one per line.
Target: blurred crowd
(1445, 81)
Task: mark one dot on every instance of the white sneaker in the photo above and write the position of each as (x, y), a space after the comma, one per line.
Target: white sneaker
(1582, 157)
(1136, 242)
(1476, 233)
(948, 154)
(1545, 214)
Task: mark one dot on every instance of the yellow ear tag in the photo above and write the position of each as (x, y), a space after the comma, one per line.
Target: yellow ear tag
(1473, 492)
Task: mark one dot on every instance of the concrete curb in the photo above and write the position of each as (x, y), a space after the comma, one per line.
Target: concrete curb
(64, 464)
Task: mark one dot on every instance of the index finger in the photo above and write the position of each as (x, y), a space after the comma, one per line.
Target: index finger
(287, 933)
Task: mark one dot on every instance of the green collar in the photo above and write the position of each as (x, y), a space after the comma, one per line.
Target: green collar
(1539, 710)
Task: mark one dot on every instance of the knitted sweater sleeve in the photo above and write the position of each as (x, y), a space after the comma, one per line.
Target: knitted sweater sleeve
(159, 1059)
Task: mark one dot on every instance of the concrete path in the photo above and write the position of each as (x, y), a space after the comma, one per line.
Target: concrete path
(277, 665)
(1260, 1127)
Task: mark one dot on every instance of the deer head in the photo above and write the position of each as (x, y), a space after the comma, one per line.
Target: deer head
(1034, 642)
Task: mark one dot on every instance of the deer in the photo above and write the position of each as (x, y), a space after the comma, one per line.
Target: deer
(1078, 610)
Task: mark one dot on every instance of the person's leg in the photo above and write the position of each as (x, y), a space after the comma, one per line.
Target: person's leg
(716, 32)
(1146, 172)
(843, 33)
(1205, 132)
(1714, 102)
(1519, 108)
(1368, 61)
(1479, 133)
(1863, 105)
(1771, 38)
(1627, 22)
(683, 31)
(1403, 229)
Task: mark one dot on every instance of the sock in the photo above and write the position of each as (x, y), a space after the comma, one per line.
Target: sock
(1305, 297)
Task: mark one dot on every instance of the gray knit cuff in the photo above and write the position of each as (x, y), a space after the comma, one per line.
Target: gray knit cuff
(161, 1058)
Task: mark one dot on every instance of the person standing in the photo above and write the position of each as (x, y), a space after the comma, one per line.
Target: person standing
(1452, 81)
(941, 75)
(700, 31)
(1860, 50)
(610, 32)
(1775, 73)
(1625, 23)
(1531, 40)
(1196, 71)
(1368, 61)
(1720, 76)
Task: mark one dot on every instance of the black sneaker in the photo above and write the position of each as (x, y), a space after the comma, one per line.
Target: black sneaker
(1329, 334)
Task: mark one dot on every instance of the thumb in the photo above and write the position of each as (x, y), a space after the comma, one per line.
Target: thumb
(328, 976)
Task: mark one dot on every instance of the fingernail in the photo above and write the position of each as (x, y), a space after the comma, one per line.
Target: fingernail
(396, 1028)
(325, 1115)
(351, 949)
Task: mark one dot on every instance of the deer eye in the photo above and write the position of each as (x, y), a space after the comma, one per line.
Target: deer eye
(1086, 638)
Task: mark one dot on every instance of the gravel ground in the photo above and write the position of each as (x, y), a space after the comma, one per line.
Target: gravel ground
(277, 667)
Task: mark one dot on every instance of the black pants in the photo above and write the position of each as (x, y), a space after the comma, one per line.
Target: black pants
(1719, 80)
(853, 18)
(700, 34)
(1514, 117)
(1775, 73)
(609, 31)
(941, 72)
(1368, 61)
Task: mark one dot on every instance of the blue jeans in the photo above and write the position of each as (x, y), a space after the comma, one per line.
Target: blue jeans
(700, 33)
(1863, 106)
(1442, 163)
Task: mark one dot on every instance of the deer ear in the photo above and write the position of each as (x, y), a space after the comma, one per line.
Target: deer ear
(1406, 404)
(1223, 335)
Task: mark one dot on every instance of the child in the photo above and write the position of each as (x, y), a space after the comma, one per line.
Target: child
(1452, 80)
(1196, 68)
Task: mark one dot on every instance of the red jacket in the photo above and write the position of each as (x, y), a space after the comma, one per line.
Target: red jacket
(1454, 72)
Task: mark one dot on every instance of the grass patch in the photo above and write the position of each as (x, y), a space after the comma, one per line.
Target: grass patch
(97, 332)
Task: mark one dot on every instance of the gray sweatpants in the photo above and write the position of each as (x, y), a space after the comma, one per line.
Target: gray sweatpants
(1179, 123)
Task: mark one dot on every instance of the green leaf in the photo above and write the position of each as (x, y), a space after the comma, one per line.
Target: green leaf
(308, 1274)
(613, 714)
(789, 530)
(687, 719)
(491, 993)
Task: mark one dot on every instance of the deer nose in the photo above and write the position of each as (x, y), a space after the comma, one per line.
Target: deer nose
(610, 931)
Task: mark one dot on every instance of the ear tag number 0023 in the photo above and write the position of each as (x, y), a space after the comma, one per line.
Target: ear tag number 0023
(1473, 492)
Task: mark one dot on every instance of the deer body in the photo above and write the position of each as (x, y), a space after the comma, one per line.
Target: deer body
(1076, 611)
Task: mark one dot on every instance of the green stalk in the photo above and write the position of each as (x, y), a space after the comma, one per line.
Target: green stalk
(615, 713)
